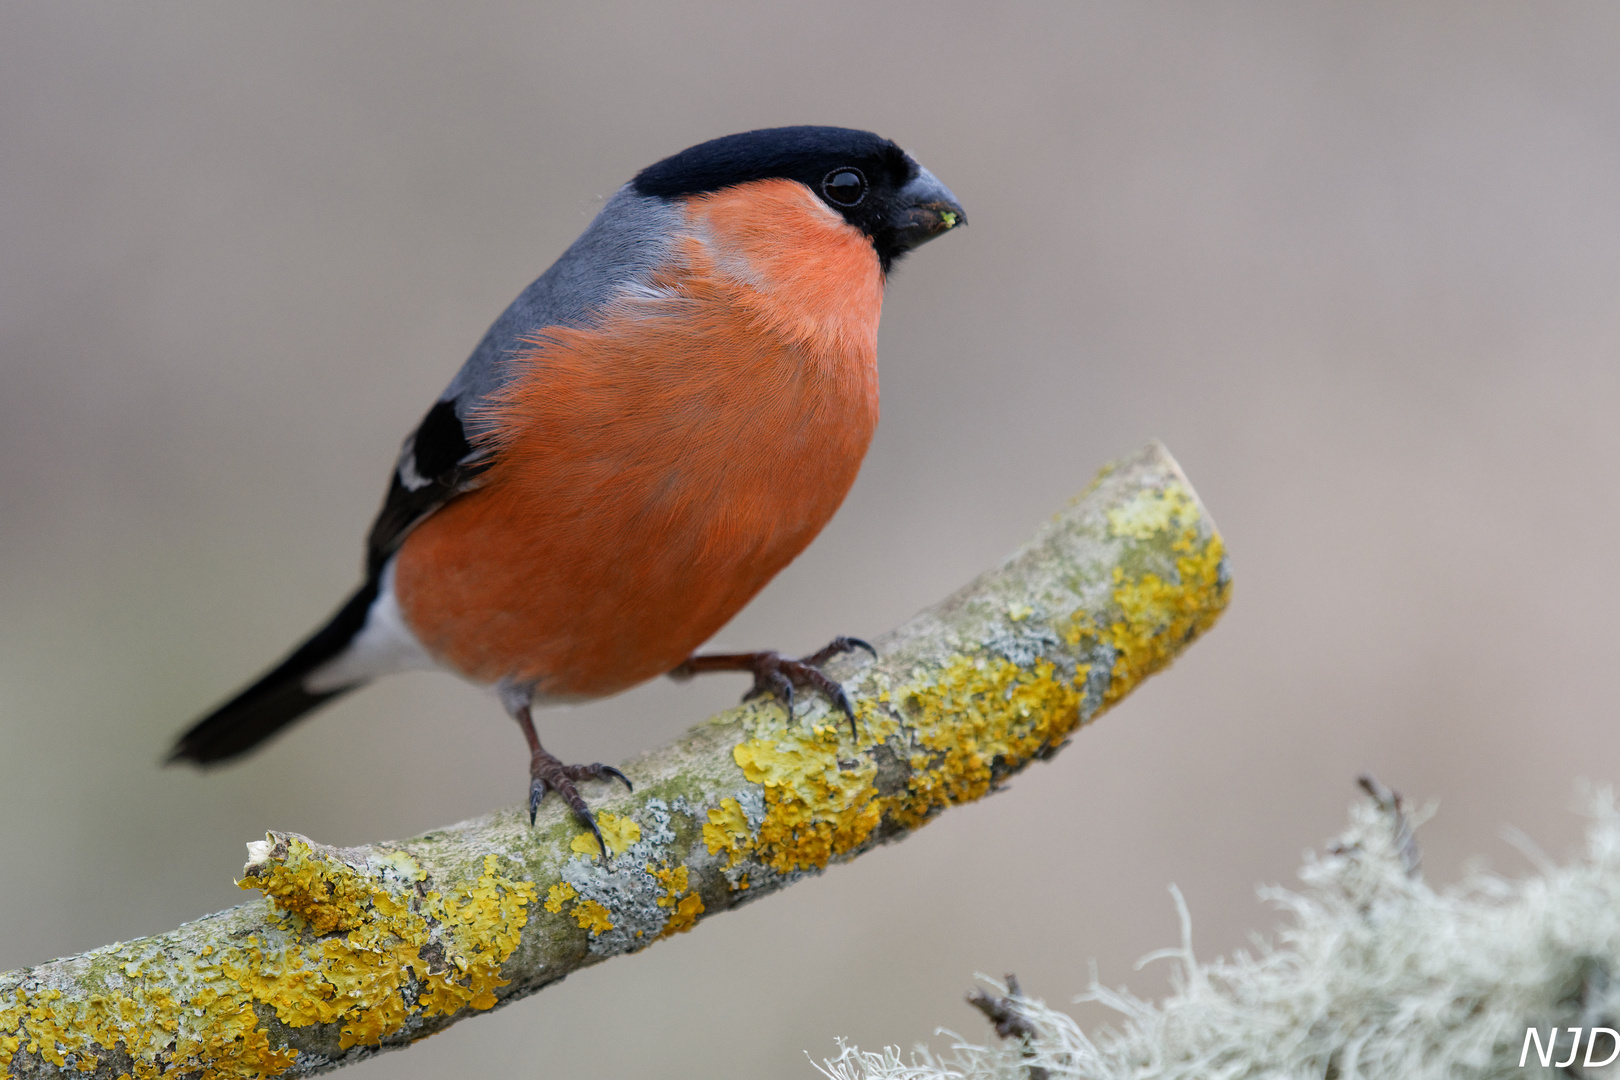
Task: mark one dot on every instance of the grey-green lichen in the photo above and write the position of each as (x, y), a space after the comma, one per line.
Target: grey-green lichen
(351, 951)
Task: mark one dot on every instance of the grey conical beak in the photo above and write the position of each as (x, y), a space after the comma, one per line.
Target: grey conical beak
(926, 209)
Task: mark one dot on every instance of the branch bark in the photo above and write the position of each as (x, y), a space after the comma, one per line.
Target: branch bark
(351, 951)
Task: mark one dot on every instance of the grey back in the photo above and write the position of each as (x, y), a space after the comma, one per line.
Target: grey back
(623, 246)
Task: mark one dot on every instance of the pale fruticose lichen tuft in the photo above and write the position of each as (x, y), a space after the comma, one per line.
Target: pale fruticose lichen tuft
(1373, 974)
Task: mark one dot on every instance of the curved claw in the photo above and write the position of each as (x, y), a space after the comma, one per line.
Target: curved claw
(590, 819)
(838, 646)
(848, 707)
(608, 770)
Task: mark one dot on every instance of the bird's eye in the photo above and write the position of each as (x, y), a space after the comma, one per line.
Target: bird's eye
(844, 187)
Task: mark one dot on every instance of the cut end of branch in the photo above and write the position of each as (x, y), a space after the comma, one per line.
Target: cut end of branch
(258, 854)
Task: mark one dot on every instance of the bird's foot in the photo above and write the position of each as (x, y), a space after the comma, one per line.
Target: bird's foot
(547, 773)
(778, 675)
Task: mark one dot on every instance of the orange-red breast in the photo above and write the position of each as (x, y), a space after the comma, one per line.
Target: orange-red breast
(652, 430)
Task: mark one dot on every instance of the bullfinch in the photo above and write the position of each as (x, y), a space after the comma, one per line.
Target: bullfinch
(645, 437)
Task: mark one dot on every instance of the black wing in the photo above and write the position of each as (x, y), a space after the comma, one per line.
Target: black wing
(436, 464)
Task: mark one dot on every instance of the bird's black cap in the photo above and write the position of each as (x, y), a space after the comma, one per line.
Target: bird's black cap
(805, 153)
(889, 197)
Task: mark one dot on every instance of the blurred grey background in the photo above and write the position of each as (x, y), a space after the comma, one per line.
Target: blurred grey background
(1357, 264)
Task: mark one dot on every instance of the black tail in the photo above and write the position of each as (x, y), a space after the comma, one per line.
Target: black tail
(279, 698)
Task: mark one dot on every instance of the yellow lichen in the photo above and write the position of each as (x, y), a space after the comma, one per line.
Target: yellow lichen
(402, 864)
(674, 882)
(302, 884)
(814, 806)
(1156, 617)
(593, 916)
(687, 907)
(1160, 617)
(1152, 511)
(346, 949)
(727, 830)
(619, 832)
(684, 917)
(980, 714)
(558, 895)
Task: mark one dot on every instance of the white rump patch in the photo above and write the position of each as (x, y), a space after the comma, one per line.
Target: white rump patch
(383, 646)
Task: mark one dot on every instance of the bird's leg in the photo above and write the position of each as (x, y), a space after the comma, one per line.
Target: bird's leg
(777, 675)
(547, 773)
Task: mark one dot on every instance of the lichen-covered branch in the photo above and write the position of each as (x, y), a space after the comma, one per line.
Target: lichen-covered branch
(353, 950)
